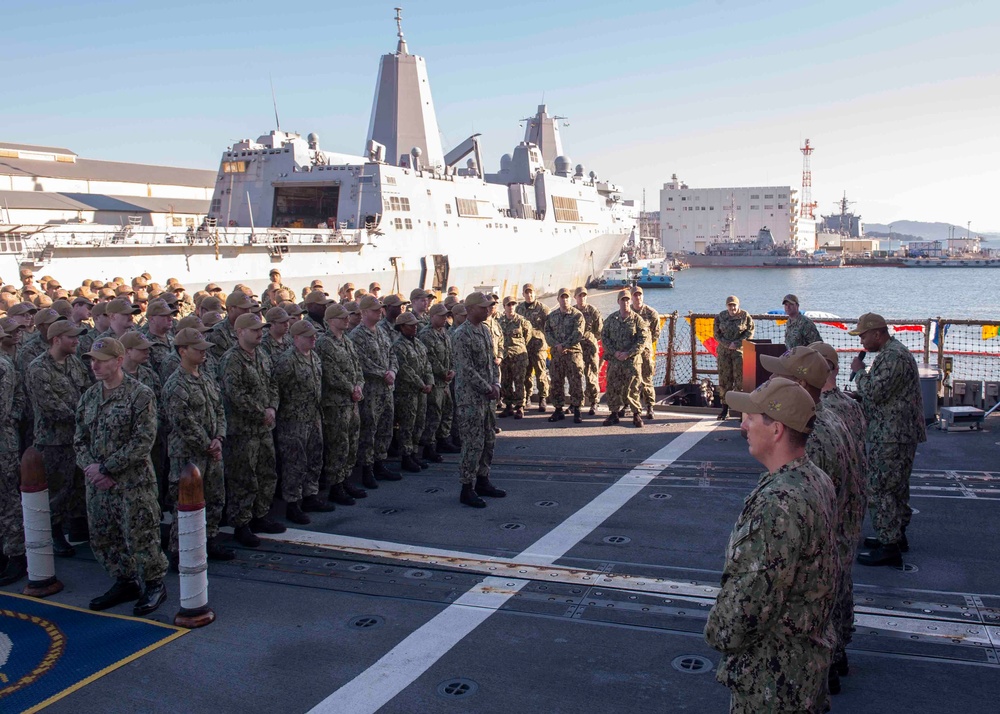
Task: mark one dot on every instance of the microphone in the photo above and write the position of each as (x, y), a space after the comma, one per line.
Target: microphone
(861, 356)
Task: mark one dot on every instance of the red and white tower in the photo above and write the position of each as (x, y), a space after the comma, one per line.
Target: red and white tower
(807, 207)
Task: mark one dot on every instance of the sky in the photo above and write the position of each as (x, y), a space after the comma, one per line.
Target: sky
(901, 100)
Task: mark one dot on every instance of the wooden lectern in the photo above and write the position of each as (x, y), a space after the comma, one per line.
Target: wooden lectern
(754, 373)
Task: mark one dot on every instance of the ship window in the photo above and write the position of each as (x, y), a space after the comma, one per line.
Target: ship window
(671, 198)
(754, 195)
(393, 203)
(566, 209)
(216, 205)
(768, 195)
(370, 179)
(447, 208)
(409, 224)
(428, 192)
(404, 203)
(768, 206)
(305, 206)
(711, 208)
(473, 208)
(754, 208)
(391, 180)
(684, 198)
(234, 167)
(399, 224)
(782, 195)
(445, 223)
(177, 221)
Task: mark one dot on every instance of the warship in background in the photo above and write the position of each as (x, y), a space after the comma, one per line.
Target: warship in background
(762, 252)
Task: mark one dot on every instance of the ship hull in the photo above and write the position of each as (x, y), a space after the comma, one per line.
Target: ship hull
(753, 261)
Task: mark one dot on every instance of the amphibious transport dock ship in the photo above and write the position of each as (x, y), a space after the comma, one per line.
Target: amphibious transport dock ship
(404, 213)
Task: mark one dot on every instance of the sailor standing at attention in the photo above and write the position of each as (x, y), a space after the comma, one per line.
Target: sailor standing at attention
(732, 326)
(647, 395)
(534, 312)
(800, 331)
(594, 322)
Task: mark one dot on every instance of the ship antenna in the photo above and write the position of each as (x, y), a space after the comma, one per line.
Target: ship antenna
(401, 46)
(274, 101)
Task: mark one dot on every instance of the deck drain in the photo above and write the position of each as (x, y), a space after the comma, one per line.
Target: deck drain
(625, 451)
(722, 438)
(418, 574)
(367, 622)
(907, 567)
(359, 568)
(257, 556)
(389, 511)
(303, 561)
(546, 504)
(617, 540)
(432, 489)
(512, 526)
(275, 559)
(457, 688)
(659, 496)
(692, 664)
(520, 448)
(330, 564)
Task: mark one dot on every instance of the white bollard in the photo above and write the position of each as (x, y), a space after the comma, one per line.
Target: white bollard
(192, 551)
(42, 580)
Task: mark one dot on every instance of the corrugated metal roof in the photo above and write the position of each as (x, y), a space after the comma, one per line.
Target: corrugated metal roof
(42, 200)
(90, 169)
(39, 149)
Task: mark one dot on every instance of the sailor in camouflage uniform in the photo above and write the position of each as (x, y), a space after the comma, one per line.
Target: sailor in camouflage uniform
(890, 396)
(378, 363)
(564, 328)
(477, 387)
(159, 321)
(223, 334)
(343, 389)
(11, 520)
(624, 335)
(197, 429)
(732, 326)
(771, 618)
(535, 312)
(799, 330)
(594, 323)
(276, 338)
(121, 318)
(251, 400)
(647, 395)
(298, 375)
(439, 403)
(115, 428)
(517, 332)
(414, 382)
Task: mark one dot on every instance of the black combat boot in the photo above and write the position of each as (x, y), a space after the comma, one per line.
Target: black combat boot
(724, 414)
(557, 415)
(649, 413)
(353, 491)
(408, 464)
(368, 477)
(593, 409)
(153, 596)
(842, 666)
(507, 412)
(340, 496)
(519, 413)
(883, 554)
(485, 488)
(217, 551)
(266, 525)
(315, 504)
(246, 537)
(577, 419)
(16, 568)
(124, 590)
(833, 680)
(637, 420)
(904, 545)
(431, 454)
(611, 419)
(384, 474)
(60, 546)
(621, 413)
(470, 498)
(446, 446)
(293, 512)
(541, 404)
(419, 461)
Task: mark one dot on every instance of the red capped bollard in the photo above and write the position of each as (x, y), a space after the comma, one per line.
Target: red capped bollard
(42, 580)
(192, 553)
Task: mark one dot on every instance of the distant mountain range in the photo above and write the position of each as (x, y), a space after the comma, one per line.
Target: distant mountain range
(906, 230)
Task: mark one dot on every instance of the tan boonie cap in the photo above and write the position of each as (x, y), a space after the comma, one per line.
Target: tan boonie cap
(211, 304)
(459, 309)
(790, 298)
(248, 321)
(828, 352)
(121, 306)
(99, 309)
(580, 291)
(353, 308)
(369, 302)
(407, 318)
(239, 299)
(335, 312)
(733, 300)
(302, 327)
(799, 363)
(868, 321)
(418, 293)
(439, 309)
(623, 295)
(135, 340)
(191, 322)
(46, 316)
(276, 314)
(478, 300)
(394, 300)
(106, 348)
(191, 337)
(292, 308)
(781, 399)
(317, 297)
(563, 291)
(63, 328)
(159, 308)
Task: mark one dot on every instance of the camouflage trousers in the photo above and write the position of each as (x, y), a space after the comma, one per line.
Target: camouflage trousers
(566, 367)
(536, 368)
(511, 385)
(375, 411)
(341, 424)
(591, 372)
(438, 405)
(622, 389)
(842, 618)
(65, 488)
(787, 676)
(410, 409)
(250, 476)
(11, 517)
(889, 467)
(161, 467)
(125, 529)
(476, 425)
(646, 393)
(300, 445)
(214, 484)
(730, 370)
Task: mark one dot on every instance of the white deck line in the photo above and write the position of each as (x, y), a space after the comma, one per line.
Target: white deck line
(405, 662)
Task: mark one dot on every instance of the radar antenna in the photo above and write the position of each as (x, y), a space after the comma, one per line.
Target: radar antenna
(401, 46)
(274, 101)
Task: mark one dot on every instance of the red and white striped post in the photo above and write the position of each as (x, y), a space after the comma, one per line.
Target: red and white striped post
(192, 551)
(42, 580)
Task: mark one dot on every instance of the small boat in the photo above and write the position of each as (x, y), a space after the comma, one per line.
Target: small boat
(657, 275)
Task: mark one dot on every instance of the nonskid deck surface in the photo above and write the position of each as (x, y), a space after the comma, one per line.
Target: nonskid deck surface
(587, 586)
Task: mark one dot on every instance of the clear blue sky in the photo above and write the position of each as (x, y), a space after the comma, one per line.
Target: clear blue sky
(900, 99)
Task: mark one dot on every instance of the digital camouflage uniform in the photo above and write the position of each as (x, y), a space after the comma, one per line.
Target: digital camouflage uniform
(439, 400)
(275, 348)
(11, 405)
(30, 348)
(476, 374)
(728, 329)
(299, 432)
(86, 341)
(223, 338)
(516, 332)
(771, 619)
(647, 395)
(374, 349)
(248, 451)
(594, 323)
(54, 390)
(193, 406)
(566, 329)
(341, 418)
(160, 350)
(800, 331)
(410, 403)
(623, 334)
(117, 430)
(535, 313)
(890, 396)
(173, 361)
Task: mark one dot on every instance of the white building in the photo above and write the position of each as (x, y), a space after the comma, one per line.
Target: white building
(691, 218)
